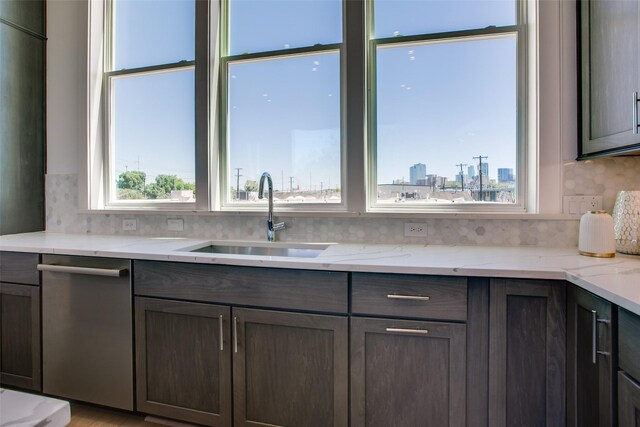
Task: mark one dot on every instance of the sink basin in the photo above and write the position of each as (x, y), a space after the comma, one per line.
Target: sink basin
(283, 251)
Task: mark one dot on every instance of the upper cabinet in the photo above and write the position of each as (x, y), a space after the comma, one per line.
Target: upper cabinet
(610, 77)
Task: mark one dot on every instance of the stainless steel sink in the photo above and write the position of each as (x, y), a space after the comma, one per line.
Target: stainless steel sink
(297, 252)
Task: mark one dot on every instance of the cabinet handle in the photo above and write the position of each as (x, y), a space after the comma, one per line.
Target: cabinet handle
(409, 297)
(409, 331)
(235, 334)
(636, 99)
(221, 333)
(594, 336)
(90, 271)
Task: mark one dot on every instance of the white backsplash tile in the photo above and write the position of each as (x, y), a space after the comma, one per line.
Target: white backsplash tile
(602, 176)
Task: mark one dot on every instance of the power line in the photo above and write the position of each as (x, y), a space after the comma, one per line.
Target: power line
(461, 165)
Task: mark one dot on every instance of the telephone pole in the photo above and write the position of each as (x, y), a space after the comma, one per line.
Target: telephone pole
(480, 175)
(461, 165)
(238, 183)
(291, 184)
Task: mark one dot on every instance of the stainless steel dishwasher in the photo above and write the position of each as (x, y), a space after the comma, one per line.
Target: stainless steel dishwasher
(87, 338)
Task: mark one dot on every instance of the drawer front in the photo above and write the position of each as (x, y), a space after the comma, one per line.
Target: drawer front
(428, 297)
(629, 343)
(252, 286)
(19, 267)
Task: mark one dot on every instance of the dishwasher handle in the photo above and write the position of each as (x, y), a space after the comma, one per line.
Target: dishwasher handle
(105, 272)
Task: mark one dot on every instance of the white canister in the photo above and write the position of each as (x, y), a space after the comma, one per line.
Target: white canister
(596, 235)
(626, 222)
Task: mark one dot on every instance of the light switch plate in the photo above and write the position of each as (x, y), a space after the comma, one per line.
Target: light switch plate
(175, 224)
(415, 229)
(578, 205)
(129, 224)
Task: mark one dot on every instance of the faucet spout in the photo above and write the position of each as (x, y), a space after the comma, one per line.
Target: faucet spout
(271, 227)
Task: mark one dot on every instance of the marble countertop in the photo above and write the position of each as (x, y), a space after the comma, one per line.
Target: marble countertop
(615, 279)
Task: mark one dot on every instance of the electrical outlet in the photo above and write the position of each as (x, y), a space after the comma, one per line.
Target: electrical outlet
(129, 224)
(175, 224)
(415, 229)
(578, 205)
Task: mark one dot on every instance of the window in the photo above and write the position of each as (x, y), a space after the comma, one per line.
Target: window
(372, 105)
(444, 115)
(281, 71)
(150, 87)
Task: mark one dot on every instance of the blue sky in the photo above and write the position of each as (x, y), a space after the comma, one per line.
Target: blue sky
(438, 104)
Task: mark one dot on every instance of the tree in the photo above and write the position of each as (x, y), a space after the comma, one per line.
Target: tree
(154, 191)
(169, 182)
(250, 185)
(132, 180)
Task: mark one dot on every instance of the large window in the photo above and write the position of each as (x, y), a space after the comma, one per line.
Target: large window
(149, 81)
(445, 112)
(281, 68)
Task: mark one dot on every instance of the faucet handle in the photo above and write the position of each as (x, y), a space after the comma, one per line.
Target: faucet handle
(279, 226)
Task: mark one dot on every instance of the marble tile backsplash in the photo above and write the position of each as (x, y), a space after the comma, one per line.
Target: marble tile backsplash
(605, 176)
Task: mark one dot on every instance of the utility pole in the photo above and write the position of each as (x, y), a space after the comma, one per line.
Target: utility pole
(480, 175)
(138, 163)
(321, 187)
(291, 184)
(238, 183)
(461, 165)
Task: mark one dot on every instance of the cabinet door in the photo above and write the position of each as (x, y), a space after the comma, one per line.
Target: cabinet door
(183, 361)
(289, 369)
(610, 67)
(628, 401)
(407, 373)
(20, 336)
(590, 370)
(527, 350)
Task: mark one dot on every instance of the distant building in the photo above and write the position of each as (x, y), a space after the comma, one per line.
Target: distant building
(485, 170)
(505, 175)
(416, 172)
(471, 171)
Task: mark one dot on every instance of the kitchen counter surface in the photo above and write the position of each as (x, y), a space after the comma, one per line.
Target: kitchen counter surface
(615, 279)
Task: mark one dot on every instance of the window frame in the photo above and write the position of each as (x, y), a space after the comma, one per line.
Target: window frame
(523, 172)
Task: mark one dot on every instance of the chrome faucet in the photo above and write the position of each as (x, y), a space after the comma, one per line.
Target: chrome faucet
(271, 227)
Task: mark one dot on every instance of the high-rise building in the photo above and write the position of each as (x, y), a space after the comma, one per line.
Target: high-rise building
(416, 172)
(505, 175)
(485, 170)
(471, 171)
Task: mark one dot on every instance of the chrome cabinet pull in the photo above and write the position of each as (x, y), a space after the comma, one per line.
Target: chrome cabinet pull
(409, 297)
(409, 331)
(108, 272)
(221, 334)
(635, 113)
(235, 334)
(594, 337)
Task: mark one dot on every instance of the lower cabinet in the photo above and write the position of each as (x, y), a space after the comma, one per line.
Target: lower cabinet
(590, 360)
(183, 361)
(289, 369)
(20, 336)
(628, 401)
(407, 373)
(527, 349)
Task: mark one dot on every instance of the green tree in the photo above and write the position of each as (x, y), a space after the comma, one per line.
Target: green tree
(130, 194)
(169, 182)
(154, 191)
(132, 180)
(250, 185)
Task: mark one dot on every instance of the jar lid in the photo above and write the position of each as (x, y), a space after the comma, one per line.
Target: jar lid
(597, 212)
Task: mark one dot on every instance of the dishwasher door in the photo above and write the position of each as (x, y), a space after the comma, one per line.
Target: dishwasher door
(87, 338)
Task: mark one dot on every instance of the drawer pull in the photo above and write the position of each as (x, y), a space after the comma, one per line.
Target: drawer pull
(221, 333)
(409, 297)
(235, 334)
(594, 337)
(408, 331)
(108, 272)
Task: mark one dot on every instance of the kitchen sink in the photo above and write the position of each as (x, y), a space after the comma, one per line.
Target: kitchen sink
(297, 251)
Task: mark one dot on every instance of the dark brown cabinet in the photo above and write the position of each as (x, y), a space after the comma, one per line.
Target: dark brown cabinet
(629, 375)
(289, 369)
(527, 350)
(407, 373)
(20, 320)
(628, 401)
(183, 361)
(591, 360)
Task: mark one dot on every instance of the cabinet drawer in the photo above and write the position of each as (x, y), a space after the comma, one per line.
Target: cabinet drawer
(251, 286)
(629, 343)
(429, 297)
(19, 267)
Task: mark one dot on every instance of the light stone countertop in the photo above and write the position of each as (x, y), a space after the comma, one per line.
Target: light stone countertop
(615, 279)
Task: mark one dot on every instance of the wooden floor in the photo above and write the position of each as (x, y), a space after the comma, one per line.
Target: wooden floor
(83, 416)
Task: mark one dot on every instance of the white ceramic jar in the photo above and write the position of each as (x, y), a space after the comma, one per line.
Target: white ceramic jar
(626, 222)
(596, 235)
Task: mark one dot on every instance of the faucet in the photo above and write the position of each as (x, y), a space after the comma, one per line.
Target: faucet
(271, 227)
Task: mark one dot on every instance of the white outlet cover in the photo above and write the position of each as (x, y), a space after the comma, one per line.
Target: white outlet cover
(175, 224)
(129, 224)
(579, 205)
(415, 229)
